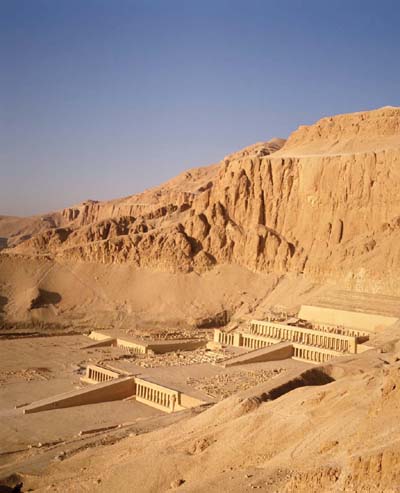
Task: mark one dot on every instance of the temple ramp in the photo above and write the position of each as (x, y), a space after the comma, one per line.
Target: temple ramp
(276, 352)
(103, 392)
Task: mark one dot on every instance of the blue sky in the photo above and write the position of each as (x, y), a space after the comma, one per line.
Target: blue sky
(102, 99)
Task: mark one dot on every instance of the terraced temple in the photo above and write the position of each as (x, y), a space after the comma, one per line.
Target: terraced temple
(312, 342)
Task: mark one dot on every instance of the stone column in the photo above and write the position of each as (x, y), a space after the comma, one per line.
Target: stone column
(173, 402)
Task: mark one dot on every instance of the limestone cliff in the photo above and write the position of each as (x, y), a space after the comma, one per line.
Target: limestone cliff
(325, 204)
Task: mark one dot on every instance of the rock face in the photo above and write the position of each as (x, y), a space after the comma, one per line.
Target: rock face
(325, 203)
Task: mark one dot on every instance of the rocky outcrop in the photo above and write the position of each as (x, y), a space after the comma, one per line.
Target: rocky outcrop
(325, 204)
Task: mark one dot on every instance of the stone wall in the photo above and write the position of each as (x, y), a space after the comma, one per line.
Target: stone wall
(358, 320)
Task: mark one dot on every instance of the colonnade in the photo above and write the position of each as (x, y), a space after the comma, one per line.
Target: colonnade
(251, 342)
(281, 332)
(226, 338)
(345, 331)
(156, 394)
(312, 354)
(134, 348)
(98, 376)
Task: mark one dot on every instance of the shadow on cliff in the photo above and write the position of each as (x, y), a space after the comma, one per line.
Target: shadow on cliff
(3, 303)
(45, 298)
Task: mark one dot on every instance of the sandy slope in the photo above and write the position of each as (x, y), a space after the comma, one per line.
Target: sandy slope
(87, 295)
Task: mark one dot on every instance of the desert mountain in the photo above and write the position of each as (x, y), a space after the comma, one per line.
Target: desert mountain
(325, 203)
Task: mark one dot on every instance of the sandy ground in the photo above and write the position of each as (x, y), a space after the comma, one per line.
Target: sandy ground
(342, 436)
(33, 368)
